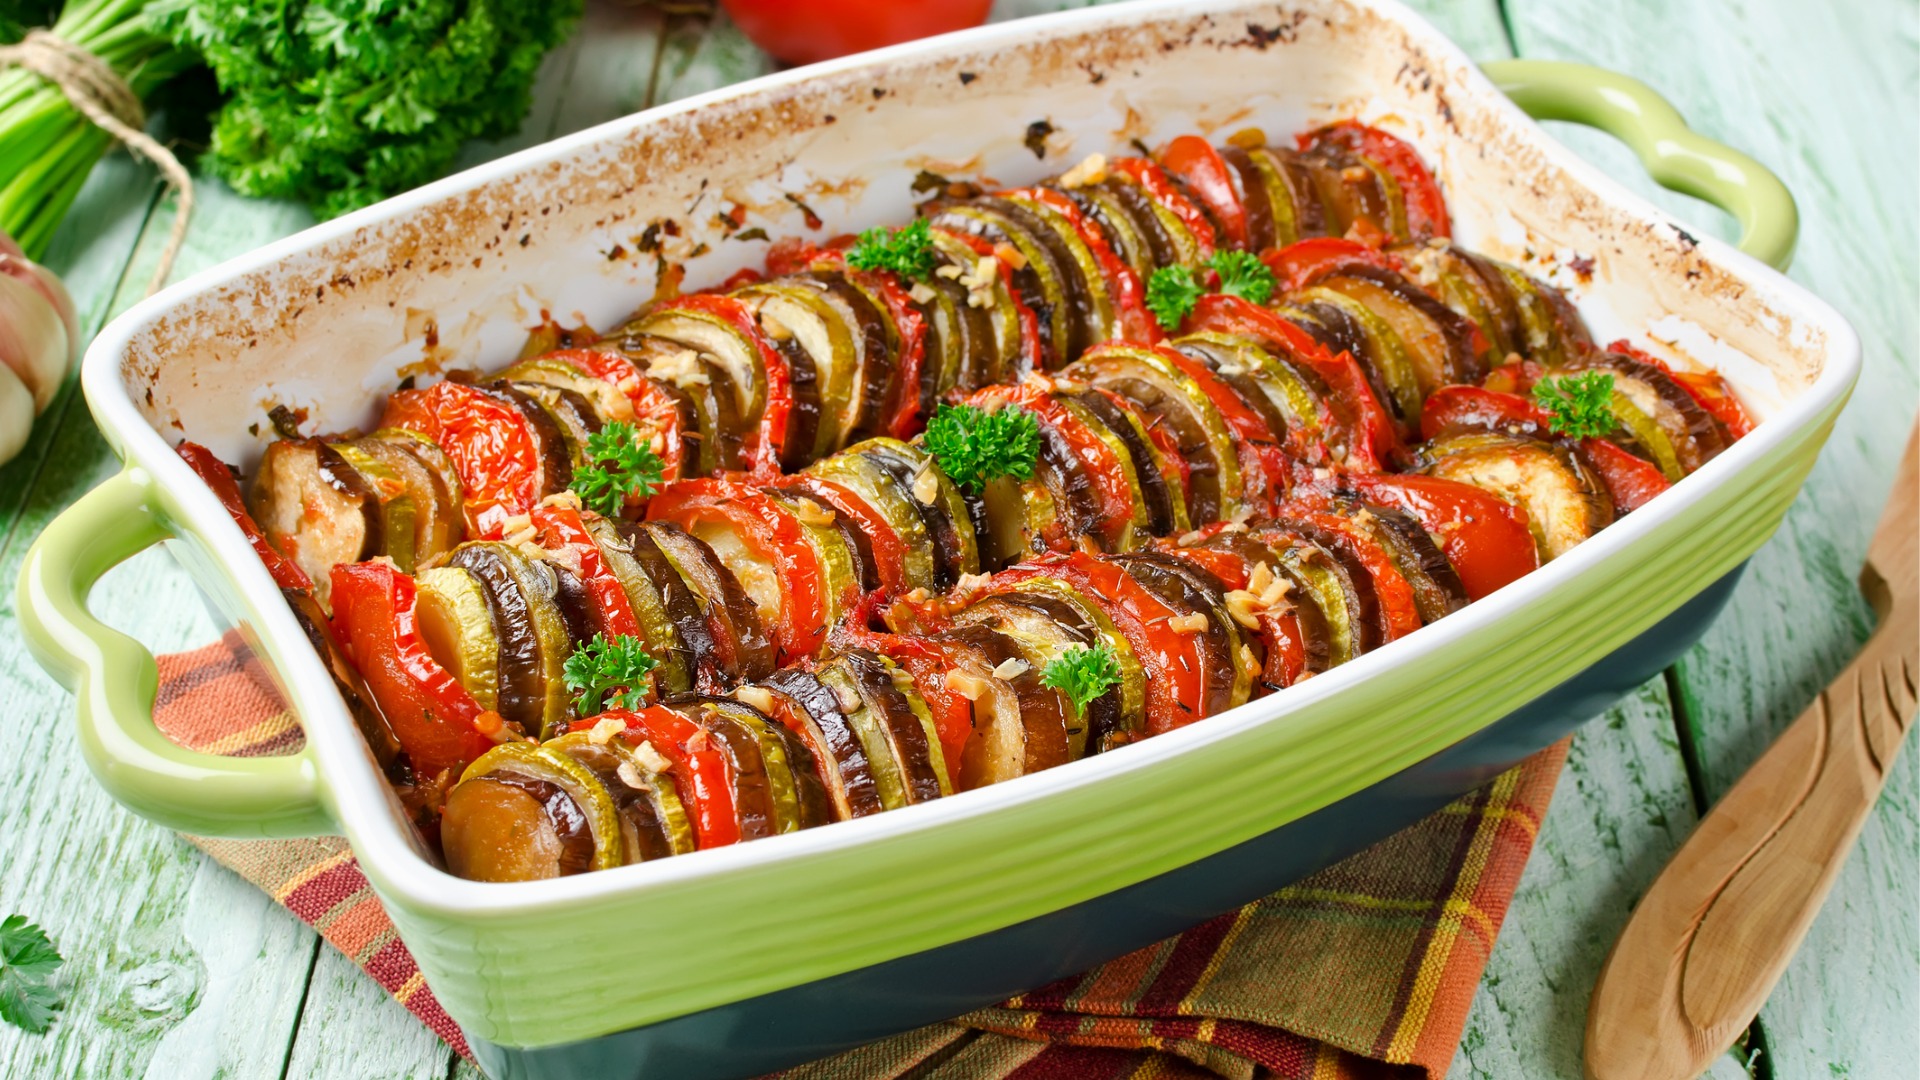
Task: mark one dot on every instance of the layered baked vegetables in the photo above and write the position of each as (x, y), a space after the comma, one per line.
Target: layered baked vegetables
(1040, 474)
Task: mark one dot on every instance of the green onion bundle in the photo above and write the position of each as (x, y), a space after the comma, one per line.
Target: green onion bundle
(55, 146)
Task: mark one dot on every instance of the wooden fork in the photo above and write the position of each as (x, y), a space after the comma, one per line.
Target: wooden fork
(1702, 951)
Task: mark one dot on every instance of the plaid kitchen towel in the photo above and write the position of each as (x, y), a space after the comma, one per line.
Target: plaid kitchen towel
(1364, 970)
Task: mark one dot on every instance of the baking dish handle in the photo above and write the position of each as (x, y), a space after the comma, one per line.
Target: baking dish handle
(115, 679)
(1675, 155)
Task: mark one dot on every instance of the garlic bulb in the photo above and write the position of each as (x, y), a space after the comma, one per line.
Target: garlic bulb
(39, 342)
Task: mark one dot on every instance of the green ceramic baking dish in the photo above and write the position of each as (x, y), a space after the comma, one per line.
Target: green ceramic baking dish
(735, 960)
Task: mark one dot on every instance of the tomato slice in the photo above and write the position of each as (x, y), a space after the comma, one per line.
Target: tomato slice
(655, 412)
(1454, 407)
(1368, 437)
(772, 534)
(1485, 537)
(927, 664)
(1134, 321)
(491, 445)
(1103, 467)
(430, 713)
(1706, 387)
(1154, 181)
(214, 473)
(1175, 666)
(1198, 165)
(912, 327)
(700, 770)
(1300, 264)
(769, 437)
(1631, 480)
(1426, 207)
(1399, 612)
(889, 552)
(1280, 632)
(1264, 462)
(561, 529)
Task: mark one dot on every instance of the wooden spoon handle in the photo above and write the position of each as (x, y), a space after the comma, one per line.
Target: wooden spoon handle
(1711, 937)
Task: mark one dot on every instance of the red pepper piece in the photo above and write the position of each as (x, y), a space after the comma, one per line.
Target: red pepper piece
(1300, 264)
(1129, 297)
(762, 449)
(214, 473)
(771, 531)
(1452, 408)
(1367, 433)
(1706, 387)
(561, 529)
(1426, 207)
(702, 774)
(1630, 480)
(1486, 538)
(432, 715)
(1159, 187)
(1205, 173)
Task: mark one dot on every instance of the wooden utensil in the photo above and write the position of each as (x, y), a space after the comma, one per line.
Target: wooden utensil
(1713, 934)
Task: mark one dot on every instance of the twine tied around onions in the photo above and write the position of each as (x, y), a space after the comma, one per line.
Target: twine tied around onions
(104, 98)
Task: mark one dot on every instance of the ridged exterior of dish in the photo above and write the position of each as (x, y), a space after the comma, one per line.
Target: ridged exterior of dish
(451, 274)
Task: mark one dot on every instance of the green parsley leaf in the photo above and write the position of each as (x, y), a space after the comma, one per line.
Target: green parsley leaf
(597, 667)
(973, 446)
(619, 467)
(1082, 674)
(907, 252)
(28, 961)
(1578, 406)
(1171, 293)
(340, 103)
(1242, 274)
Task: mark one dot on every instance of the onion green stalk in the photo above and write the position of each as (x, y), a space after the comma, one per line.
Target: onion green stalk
(40, 127)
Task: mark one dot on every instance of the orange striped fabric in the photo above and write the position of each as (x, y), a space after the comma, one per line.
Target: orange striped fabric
(1365, 970)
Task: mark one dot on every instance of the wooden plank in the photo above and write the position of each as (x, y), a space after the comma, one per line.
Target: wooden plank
(1621, 808)
(1847, 1003)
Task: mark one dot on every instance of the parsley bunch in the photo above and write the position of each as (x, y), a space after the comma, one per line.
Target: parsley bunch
(341, 103)
(907, 252)
(973, 446)
(1082, 674)
(621, 667)
(1173, 291)
(27, 963)
(1578, 406)
(619, 466)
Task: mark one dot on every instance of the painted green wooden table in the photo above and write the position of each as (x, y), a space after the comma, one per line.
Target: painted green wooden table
(178, 969)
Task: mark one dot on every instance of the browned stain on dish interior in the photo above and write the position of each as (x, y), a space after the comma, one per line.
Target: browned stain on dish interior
(550, 209)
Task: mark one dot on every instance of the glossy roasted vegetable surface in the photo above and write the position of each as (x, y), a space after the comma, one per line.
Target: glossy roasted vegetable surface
(1043, 473)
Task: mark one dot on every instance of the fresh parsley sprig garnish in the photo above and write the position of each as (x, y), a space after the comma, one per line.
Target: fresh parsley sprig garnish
(907, 252)
(618, 672)
(619, 466)
(1242, 274)
(1578, 406)
(28, 960)
(973, 446)
(1082, 673)
(1173, 291)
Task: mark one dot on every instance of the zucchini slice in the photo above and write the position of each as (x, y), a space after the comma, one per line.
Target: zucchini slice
(1158, 389)
(1565, 503)
(456, 622)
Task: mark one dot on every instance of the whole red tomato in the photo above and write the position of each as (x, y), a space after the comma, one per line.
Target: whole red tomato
(808, 31)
